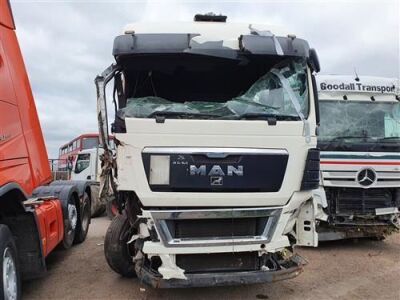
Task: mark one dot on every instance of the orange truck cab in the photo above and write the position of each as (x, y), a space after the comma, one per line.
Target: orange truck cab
(36, 214)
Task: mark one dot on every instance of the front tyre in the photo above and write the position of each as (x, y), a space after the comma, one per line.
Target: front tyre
(10, 287)
(116, 248)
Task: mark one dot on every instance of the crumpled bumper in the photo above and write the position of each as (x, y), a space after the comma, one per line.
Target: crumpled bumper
(223, 278)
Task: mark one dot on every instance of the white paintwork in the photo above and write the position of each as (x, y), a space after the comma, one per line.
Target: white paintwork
(143, 133)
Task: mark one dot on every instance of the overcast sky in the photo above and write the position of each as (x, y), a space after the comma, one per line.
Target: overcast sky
(66, 43)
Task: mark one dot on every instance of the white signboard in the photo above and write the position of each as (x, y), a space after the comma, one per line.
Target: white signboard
(365, 84)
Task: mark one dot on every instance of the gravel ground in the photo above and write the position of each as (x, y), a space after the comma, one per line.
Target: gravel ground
(360, 269)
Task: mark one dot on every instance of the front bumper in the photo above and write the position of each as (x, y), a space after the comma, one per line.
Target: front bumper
(223, 278)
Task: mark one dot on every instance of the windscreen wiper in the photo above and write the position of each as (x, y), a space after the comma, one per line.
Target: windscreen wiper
(349, 137)
(161, 115)
(389, 138)
(271, 118)
(338, 141)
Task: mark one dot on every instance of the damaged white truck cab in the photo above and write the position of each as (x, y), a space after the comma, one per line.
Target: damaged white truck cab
(359, 139)
(216, 153)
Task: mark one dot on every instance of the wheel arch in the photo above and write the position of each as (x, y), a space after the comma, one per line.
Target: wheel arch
(23, 225)
(81, 186)
(63, 193)
(12, 197)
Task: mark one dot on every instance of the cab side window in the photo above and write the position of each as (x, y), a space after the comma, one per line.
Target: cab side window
(82, 162)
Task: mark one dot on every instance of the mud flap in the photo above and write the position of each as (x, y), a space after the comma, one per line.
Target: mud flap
(305, 226)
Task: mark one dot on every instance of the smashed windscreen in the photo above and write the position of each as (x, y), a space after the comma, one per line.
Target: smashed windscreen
(353, 122)
(268, 96)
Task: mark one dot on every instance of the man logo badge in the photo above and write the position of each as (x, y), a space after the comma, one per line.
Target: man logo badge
(216, 180)
(366, 177)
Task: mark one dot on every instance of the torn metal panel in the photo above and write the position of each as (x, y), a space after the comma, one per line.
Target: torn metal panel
(305, 227)
(169, 270)
(108, 175)
(143, 232)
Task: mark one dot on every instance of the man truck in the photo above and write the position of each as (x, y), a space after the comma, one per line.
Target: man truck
(36, 215)
(215, 131)
(359, 193)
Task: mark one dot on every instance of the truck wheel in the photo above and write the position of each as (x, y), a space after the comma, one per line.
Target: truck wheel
(83, 221)
(111, 209)
(10, 287)
(116, 248)
(70, 224)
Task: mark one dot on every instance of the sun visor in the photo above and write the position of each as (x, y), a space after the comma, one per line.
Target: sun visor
(266, 45)
(208, 45)
(151, 43)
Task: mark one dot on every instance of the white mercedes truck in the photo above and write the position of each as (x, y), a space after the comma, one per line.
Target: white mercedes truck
(215, 126)
(359, 193)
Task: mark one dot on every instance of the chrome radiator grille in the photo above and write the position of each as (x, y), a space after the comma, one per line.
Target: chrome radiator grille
(225, 226)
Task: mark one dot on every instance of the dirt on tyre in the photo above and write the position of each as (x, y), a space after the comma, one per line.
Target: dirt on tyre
(116, 248)
(82, 226)
(10, 287)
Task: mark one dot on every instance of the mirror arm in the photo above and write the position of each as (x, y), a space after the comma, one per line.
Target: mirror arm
(101, 82)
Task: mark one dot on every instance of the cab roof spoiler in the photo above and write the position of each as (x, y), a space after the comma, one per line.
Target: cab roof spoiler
(136, 44)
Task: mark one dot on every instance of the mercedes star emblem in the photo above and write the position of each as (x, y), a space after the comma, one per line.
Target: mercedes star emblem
(366, 177)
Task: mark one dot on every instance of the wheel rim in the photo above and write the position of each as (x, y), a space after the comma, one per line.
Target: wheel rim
(9, 276)
(72, 218)
(86, 217)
